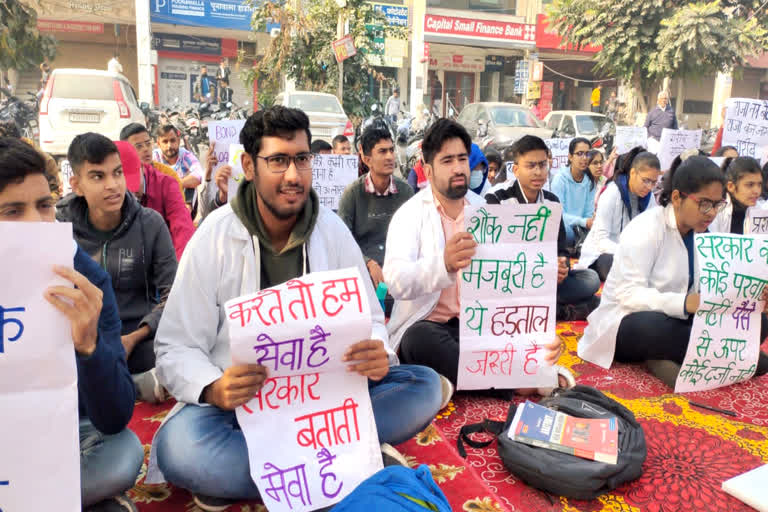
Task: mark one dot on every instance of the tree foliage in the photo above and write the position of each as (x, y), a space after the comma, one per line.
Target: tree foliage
(22, 46)
(302, 51)
(646, 41)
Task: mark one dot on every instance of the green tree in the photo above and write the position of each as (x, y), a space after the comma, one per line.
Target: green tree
(646, 41)
(22, 46)
(302, 50)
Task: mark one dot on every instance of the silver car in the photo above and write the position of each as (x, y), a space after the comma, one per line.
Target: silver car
(327, 118)
(497, 125)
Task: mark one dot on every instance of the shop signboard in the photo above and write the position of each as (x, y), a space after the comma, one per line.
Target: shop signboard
(494, 63)
(479, 29)
(229, 14)
(397, 15)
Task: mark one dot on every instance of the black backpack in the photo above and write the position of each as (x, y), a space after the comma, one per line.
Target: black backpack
(560, 473)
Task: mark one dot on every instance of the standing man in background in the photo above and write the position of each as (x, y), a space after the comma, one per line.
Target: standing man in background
(595, 99)
(437, 97)
(662, 116)
(393, 105)
(114, 66)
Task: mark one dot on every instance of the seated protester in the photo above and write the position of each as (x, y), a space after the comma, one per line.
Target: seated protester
(575, 288)
(181, 160)
(274, 230)
(575, 187)
(369, 202)
(320, 147)
(651, 295)
(130, 242)
(763, 201)
(627, 195)
(726, 152)
(595, 165)
(155, 190)
(341, 145)
(478, 174)
(416, 178)
(427, 246)
(494, 165)
(9, 128)
(110, 454)
(744, 183)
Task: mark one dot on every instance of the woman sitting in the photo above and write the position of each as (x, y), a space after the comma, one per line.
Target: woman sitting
(627, 195)
(575, 188)
(744, 182)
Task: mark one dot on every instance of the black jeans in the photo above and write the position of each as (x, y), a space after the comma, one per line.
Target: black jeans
(602, 266)
(652, 335)
(434, 345)
(142, 358)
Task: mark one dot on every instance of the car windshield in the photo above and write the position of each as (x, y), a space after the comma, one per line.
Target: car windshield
(514, 116)
(591, 125)
(315, 103)
(83, 87)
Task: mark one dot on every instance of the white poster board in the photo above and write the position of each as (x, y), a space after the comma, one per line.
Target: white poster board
(628, 137)
(65, 173)
(725, 337)
(508, 295)
(235, 162)
(330, 176)
(224, 134)
(674, 142)
(559, 149)
(310, 431)
(757, 220)
(746, 127)
(39, 433)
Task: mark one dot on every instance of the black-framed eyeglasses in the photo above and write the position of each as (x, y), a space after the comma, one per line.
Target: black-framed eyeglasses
(278, 164)
(707, 205)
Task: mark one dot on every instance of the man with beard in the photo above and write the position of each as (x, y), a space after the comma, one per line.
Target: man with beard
(427, 246)
(272, 231)
(181, 160)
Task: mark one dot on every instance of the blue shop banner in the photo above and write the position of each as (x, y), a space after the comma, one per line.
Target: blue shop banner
(397, 15)
(230, 14)
(186, 44)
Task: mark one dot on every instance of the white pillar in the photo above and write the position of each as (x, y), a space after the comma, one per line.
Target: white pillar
(418, 68)
(143, 51)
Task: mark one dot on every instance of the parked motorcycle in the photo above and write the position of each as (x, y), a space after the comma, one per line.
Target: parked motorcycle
(23, 113)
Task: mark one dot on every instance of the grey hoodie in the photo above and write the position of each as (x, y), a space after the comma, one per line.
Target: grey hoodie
(138, 256)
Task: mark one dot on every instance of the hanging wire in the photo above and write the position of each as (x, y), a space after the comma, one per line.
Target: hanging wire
(580, 79)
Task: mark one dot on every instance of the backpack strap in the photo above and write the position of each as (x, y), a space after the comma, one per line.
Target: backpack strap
(489, 426)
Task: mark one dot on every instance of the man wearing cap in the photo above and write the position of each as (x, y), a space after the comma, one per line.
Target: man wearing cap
(130, 242)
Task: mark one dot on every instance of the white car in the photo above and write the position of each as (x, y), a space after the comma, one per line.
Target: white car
(76, 101)
(327, 118)
(567, 124)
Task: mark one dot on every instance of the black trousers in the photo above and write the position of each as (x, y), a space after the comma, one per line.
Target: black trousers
(434, 345)
(142, 358)
(652, 335)
(602, 265)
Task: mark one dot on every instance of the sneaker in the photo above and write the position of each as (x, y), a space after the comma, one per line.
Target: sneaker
(211, 503)
(664, 370)
(391, 456)
(448, 389)
(148, 387)
(120, 503)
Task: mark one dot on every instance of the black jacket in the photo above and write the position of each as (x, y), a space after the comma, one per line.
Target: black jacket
(138, 256)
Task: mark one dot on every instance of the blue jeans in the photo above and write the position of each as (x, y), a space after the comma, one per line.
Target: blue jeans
(580, 285)
(109, 465)
(203, 450)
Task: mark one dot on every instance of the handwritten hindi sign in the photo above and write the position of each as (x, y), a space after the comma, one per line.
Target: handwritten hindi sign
(235, 154)
(310, 430)
(559, 149)
(746, 127)
(628, 137)
(38, 379)
(674, 142)
(725, 337)
(757, 220)
(224, 134)
(330, 176)
(508, 296)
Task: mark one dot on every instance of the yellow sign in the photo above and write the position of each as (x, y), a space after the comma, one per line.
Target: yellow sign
(534, 90)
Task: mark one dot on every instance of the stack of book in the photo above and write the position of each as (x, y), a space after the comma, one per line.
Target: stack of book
(594, 439)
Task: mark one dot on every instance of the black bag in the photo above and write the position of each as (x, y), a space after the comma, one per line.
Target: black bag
(559, 473)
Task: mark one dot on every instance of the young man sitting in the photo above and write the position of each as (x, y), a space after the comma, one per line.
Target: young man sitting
(130, 242)
(110, 454)
(427, 246)
(341, 145)
(575, 288)
(270, 233)
(369, 202)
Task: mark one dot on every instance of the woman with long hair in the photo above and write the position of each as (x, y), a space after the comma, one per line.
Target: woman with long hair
(575, 188)
(744, 183)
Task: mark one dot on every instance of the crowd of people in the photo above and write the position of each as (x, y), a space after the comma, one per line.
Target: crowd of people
(151, 286)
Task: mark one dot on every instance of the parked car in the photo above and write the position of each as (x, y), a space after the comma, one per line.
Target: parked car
(327, 118)
(85, 100)
(590, 125)
(497, 125)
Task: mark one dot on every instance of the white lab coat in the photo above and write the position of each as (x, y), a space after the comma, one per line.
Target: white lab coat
(649, 273)
(220, 263)
(722, 223)
(611, 217)
(414, 265)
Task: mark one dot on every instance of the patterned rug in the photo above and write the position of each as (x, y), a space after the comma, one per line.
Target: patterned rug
(690, 451)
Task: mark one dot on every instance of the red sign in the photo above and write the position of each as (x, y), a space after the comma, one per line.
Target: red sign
(482, 29)
(546, 38)
(70, 26)
(344, 48)
(426, 50)
(458, 59)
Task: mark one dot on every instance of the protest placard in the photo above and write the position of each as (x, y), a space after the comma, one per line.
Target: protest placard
(310, 430)
(628, 137)
(746, 127)
(559, 149)
(237, 176)
(725, 337)
(330, 176)
(674, 142)
(39, 436)
(508, 295)
(223, 134)
(757, 220)
(65, 173)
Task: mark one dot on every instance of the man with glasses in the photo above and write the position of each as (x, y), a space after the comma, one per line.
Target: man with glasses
(272, 231)
(575, 288)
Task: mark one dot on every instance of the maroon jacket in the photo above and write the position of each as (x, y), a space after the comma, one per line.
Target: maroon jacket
(162, 194)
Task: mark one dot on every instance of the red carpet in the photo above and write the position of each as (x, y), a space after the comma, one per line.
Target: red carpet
(690, 451)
